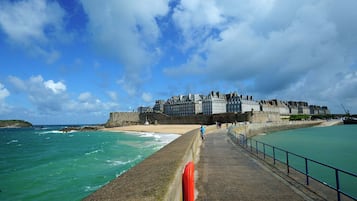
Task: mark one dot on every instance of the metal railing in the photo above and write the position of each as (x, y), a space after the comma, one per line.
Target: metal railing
(305, 168)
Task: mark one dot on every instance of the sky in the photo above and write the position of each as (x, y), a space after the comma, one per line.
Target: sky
(74, 62)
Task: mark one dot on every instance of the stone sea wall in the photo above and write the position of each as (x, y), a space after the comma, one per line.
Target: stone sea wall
(252, 129)
(159, 177)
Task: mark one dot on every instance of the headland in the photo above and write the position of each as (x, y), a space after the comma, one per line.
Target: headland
(14, 124)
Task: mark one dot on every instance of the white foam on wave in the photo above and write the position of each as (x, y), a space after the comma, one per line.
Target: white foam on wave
(119, 162)
(150, 135)
(50, 132)
(56, 132)
(93, 152)
(167, 138)
(12, 141)
(120, 173)
(93, 188)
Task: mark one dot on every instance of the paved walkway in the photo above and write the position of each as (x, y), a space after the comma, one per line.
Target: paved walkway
(226, 172)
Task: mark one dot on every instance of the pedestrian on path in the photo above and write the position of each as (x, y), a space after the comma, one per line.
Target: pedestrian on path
(203, 130)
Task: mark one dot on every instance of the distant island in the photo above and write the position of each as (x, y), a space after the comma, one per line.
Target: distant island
(14, 124)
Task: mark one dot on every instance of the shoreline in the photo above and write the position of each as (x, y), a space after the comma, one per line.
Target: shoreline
(179, 129)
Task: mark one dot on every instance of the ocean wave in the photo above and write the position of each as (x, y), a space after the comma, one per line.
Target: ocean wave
(150, 135)
(120, 173)
(55, 132)
(93, 152)
(119, 162)
(93, 188)
(50, 132)
(12, 141)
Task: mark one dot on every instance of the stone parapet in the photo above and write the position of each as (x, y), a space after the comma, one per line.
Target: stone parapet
(252, 129)
(159, 177)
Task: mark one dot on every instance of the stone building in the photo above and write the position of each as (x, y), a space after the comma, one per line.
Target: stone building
(183, 105)
(274, 106)
(298, 107)
(159, 106)
(214, 103)
(248, 104)
(240, 104)
(143, 109)
(315, 109)
(233, 103)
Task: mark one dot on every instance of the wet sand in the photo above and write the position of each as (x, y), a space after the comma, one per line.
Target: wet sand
(167, 128)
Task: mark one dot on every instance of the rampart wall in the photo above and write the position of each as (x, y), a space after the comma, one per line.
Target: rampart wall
(122, 119)
(133, 118)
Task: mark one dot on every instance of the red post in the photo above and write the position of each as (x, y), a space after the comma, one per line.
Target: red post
(188, 182)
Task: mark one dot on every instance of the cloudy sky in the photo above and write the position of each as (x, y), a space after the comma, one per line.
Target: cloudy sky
(75, 61)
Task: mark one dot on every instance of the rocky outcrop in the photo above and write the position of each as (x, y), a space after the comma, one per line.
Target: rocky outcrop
(81, 128)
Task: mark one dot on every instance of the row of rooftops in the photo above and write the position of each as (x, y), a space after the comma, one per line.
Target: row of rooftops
(231, 98)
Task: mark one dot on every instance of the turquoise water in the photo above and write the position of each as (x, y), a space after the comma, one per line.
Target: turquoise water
(335, 146)
(45, 164)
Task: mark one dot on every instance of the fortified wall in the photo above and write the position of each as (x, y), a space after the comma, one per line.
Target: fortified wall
(133, 118)
(117, 119)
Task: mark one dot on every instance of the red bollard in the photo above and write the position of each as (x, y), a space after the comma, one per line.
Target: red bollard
(188, 182)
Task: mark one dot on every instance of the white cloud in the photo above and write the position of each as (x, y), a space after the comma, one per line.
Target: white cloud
(113, 95)
(56, 87)
(32, 24)
(273, 46)
(17, 83)
(3, 92)
(147, 97)
(128, 31)
(49, 98)
(196, 19)
(84, 97)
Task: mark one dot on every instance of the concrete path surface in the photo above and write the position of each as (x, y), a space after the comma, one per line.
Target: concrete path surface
(227, 172)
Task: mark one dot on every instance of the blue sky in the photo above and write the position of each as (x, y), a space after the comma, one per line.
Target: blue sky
(75, 61)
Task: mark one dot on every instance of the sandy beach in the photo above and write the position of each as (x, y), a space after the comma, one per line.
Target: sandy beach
(167, 128)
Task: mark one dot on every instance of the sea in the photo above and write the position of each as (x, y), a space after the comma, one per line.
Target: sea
(335, 146)
(43, 163)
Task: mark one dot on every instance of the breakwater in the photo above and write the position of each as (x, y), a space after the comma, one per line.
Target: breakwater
(159, 177)
(252, 129)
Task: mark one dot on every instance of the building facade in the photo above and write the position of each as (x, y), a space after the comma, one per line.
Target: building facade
(248, 104)
(214, 103)
(233, 103)
(159, 106)
(275, 105)
(183, 105)
(143, 109)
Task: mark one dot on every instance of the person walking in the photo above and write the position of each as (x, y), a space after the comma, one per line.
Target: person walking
(203, 130)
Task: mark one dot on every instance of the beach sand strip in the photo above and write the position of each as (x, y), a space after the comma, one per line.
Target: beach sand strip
(166, 128)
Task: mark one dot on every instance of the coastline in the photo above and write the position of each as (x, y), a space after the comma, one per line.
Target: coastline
(179, 129)
(330, 123)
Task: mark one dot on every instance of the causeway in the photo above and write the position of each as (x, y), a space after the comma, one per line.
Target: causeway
(227, 172)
